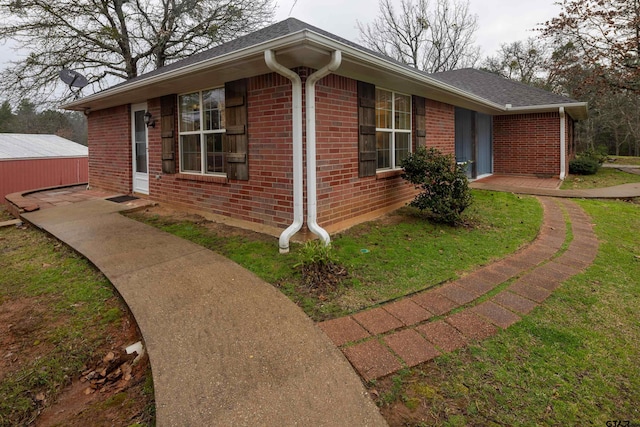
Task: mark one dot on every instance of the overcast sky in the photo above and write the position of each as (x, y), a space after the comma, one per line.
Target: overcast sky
(500, 21)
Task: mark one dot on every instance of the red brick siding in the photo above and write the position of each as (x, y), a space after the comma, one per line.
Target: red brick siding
(267, 196)
(342, 195)
(441, 126)
(527, 144)
(109, 135)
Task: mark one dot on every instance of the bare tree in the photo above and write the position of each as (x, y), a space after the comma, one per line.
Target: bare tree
(433, 37)
(114, 40)
(606, 36)
(523, 61)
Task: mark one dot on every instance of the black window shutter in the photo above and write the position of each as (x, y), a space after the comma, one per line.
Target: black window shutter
(168, 134)
(236, 141)
(367, 159)
(419, 105)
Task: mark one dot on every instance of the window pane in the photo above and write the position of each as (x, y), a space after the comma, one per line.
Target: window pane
(383, 109)
(190, 112)
(403, 112)
(190, 155)
(140, 142)
(383, 147)
(215, 155)
(213, 107)
(402, 146)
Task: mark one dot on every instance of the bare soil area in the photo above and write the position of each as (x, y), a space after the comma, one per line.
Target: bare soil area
(110, 390)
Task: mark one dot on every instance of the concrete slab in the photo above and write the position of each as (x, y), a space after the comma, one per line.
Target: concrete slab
(225, 347)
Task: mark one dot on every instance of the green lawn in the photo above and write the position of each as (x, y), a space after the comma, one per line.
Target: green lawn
(624, 160)
(572, 361)
(395, 256)
(59, 311)
(606, 177)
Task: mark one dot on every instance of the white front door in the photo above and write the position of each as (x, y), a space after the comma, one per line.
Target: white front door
(140, 149)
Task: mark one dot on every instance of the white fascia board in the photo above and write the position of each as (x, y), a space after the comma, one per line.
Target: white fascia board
(573, 106)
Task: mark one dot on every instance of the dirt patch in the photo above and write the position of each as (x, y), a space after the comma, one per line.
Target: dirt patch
(111, 389)
(22, 331)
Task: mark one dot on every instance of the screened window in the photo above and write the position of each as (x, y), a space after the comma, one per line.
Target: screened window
(393, 128)
(201, 128)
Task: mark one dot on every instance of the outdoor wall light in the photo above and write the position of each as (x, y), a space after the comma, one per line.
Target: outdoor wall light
(148, 120)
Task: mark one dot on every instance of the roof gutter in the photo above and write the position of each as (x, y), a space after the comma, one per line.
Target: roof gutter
(310, 93)
(296, 125)
(547, 108)
(563, 144)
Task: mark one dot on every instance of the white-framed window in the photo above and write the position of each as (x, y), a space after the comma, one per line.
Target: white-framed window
(201, 128)
(393, 128)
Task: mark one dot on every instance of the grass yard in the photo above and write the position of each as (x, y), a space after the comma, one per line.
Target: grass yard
(397, 255)
(624, 160)
(606, 177)
(572, 361)
(59, 318)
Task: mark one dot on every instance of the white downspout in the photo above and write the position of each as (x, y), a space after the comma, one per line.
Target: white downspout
(563, 145)
(296, 125)
(312, 199)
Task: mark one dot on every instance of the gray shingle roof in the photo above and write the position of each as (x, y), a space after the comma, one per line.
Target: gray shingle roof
(500, 90)
(274, 31)
(488, 86)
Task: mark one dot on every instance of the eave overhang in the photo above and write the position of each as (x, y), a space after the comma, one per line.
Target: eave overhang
(308, 49)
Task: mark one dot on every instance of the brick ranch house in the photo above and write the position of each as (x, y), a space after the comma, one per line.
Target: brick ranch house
(292, 120)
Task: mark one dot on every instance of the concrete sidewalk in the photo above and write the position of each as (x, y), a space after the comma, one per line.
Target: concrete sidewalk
(225, 347)
(520, 186)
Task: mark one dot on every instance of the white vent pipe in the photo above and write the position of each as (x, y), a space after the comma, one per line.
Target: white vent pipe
(296, 125)
(312, 199)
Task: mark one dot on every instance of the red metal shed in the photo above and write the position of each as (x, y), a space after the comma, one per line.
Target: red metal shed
(29, 162)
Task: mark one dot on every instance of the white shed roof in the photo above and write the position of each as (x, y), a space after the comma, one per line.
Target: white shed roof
(31, 146)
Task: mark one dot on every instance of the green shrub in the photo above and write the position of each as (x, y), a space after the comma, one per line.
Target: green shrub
(444, 186)
(584, 166)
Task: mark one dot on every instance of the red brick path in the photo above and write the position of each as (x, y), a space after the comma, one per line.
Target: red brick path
(418, 328)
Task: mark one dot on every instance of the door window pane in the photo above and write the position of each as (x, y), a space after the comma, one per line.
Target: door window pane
(140, 134)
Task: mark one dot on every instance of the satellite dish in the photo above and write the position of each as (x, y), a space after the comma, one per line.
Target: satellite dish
(73, 79)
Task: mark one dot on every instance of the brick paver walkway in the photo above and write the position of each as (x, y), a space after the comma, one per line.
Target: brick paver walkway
(418, 328)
